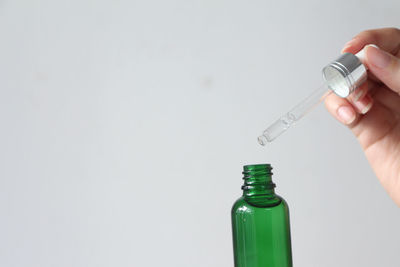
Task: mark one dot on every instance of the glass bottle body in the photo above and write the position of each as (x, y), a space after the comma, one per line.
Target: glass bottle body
(261, 229)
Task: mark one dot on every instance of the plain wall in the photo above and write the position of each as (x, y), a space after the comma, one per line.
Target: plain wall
(125, 126)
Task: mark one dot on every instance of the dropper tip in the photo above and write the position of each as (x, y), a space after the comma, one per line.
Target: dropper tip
(262, 140)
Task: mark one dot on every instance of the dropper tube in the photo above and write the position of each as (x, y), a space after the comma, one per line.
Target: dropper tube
(299, 111)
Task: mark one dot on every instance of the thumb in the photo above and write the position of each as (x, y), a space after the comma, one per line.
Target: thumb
(384, 66)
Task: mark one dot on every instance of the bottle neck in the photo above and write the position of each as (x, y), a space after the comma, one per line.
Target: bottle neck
(258, 188)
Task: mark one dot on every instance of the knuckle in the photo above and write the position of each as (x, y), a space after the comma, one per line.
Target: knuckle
(397, 32)
(393, 32)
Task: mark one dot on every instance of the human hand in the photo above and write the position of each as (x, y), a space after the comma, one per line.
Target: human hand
(372, 112)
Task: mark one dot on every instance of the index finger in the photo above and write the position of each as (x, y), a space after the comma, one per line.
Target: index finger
(387, 39)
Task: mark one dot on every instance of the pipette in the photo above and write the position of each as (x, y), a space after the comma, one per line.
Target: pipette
(342, 76)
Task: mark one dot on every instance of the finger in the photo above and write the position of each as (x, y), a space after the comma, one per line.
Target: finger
(371, 127)
(364, 104)
(373, 78)
(387, 39)
(384, 66)
(387, 98)
(341, 109)
(368, 128)
(360, 99)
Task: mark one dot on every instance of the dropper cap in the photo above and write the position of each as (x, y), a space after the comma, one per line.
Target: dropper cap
(346, 73)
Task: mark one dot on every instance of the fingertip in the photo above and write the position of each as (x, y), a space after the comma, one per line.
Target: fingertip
(353, 46)
(346, 49)
(346, 114)
(340, 109)
(330, 101)
(358, 42)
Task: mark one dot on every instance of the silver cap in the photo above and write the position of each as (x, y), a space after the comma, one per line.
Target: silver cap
(345, 74)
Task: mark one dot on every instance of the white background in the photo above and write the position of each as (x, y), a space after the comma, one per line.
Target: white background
(125, 125)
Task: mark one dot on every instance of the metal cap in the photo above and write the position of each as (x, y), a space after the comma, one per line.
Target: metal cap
(345, 74)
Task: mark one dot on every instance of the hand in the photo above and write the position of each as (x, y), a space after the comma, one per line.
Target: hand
(372, 112)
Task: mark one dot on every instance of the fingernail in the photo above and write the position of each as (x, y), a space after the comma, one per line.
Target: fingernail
(377, 57)
(366, 108)
(364, 105)
(346, 114)
(345, 47)
(358, 95)
(348, 44)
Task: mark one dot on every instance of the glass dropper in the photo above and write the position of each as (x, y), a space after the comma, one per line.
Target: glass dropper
(342, 76)
(284, 122)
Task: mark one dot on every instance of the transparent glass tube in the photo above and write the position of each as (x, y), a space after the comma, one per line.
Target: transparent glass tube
(294, 115)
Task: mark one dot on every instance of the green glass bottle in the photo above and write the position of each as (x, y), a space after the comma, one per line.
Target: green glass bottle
(260, 222)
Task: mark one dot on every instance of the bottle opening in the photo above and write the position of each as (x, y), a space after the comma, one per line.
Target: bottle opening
(253, 168)
(258, 188)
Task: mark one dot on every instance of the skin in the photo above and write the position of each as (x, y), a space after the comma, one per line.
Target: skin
(372, 112)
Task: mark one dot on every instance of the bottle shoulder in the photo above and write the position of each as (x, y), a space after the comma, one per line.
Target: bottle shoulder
(242, 205)
(239, 203)
(282, 200)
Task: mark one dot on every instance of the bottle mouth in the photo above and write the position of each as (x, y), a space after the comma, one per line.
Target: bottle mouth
(257, 169)
(258, 188)
(257, 175)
